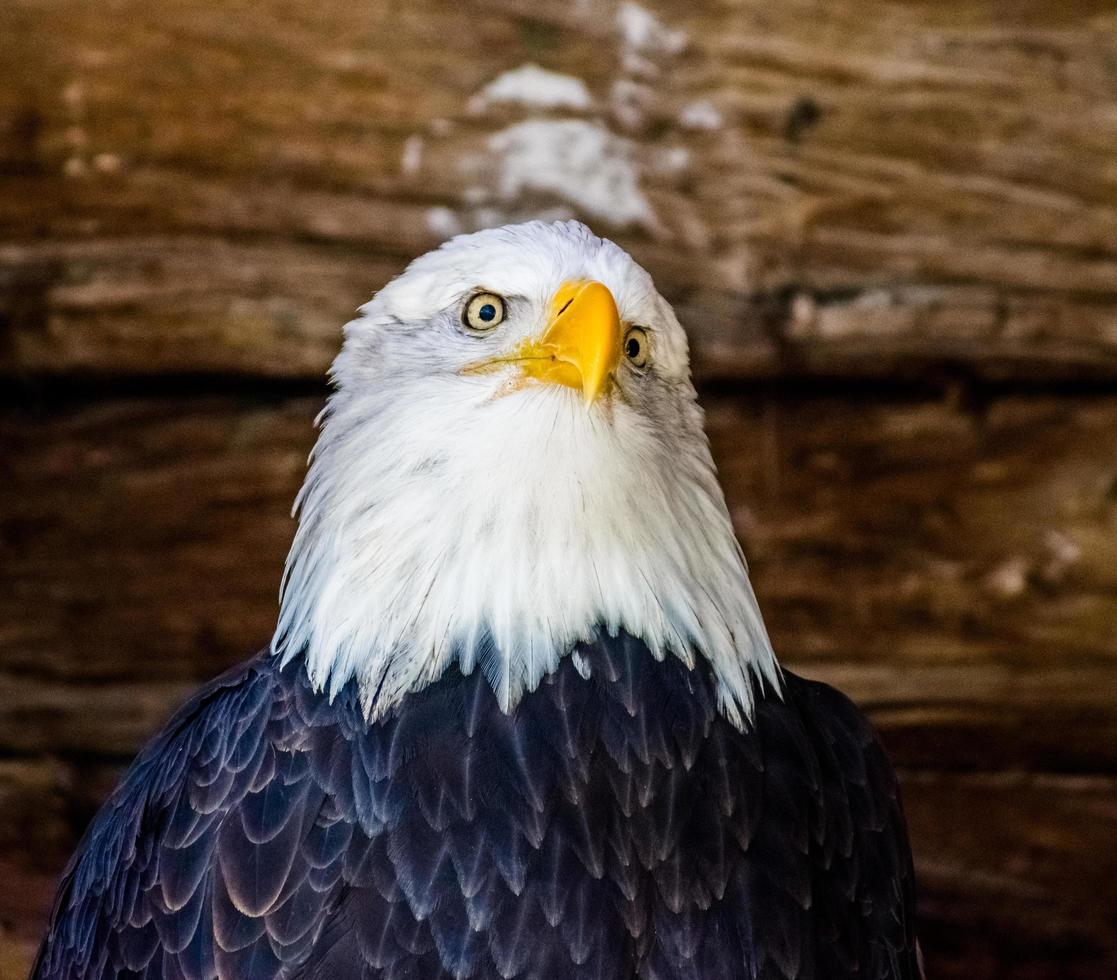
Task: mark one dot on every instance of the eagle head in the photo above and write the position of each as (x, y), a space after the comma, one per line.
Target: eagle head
(513, 461)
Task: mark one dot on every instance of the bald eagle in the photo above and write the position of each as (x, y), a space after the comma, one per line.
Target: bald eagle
(520, 716)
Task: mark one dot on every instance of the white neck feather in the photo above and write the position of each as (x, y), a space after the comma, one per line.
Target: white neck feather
(439, 524)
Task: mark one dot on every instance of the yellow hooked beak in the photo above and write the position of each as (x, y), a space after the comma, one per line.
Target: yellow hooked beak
(581, 345)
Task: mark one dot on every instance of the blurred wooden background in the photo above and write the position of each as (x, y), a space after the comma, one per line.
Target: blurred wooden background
(891, 228)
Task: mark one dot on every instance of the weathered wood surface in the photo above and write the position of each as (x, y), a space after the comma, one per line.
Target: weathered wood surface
(890, 227)
(953, 569)
(859, 187)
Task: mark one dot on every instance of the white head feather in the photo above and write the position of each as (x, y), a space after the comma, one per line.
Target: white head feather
(448, 519)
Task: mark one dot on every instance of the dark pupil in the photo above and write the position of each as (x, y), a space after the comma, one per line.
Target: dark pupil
(632, 348)
(487, 312)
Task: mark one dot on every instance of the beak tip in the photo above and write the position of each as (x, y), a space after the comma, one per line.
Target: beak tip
(592, 392)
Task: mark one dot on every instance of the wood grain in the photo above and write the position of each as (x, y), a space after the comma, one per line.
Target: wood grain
(953, 568)
(860, 188)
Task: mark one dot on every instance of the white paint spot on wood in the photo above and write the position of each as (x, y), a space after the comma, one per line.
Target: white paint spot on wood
(411, 160)
(701, 115)
(672, 161)
(578, 161)
(443, 222)
(644, 39)
(530, 85)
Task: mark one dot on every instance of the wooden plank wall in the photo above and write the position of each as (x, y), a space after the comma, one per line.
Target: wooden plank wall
(890, 227)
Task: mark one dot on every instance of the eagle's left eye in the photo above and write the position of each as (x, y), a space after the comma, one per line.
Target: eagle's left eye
(636, 347)
(483, 311)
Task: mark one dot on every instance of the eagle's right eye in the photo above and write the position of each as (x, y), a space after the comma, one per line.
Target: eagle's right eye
(483, 311)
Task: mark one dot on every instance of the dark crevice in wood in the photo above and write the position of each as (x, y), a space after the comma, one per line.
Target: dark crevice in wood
(47, 393)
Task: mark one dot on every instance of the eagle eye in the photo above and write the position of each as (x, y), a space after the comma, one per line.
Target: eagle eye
(483, 312)
(636, 347)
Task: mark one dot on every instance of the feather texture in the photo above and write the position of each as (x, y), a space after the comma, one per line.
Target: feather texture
(457, 516)
(612, 826)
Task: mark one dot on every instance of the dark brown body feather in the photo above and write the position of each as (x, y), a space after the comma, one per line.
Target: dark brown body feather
(610, 827)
